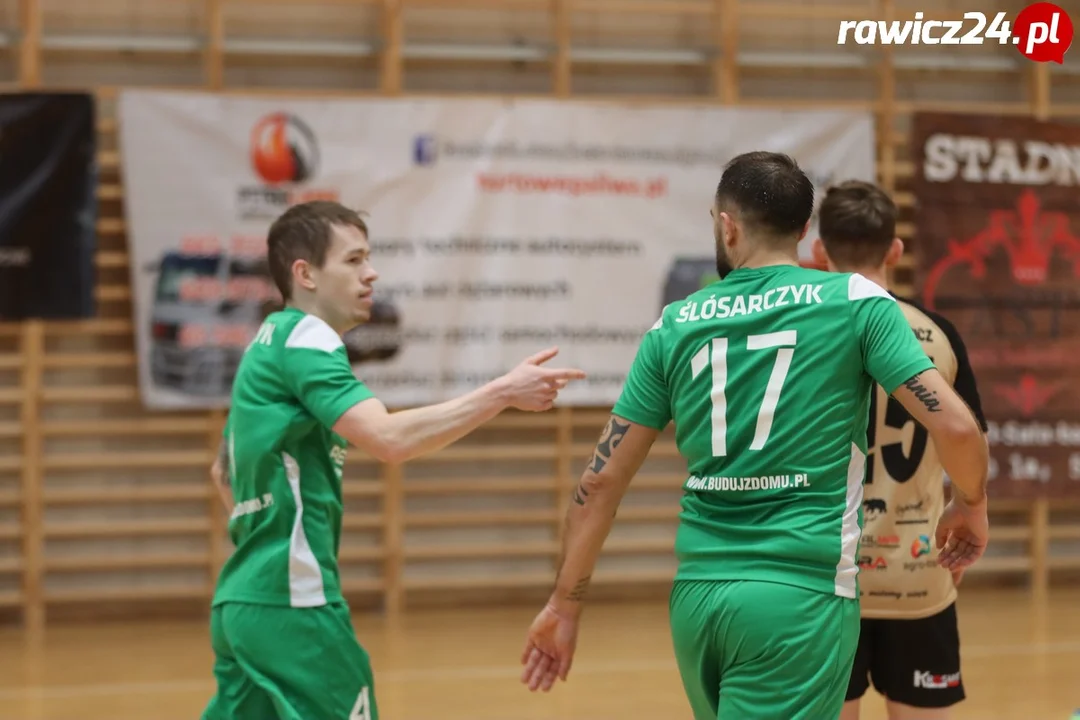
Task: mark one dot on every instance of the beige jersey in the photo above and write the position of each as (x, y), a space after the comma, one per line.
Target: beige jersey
(904, 493)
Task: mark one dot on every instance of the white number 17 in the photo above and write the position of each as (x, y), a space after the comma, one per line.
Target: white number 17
(785, 341)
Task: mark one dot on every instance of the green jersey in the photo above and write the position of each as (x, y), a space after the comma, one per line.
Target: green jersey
(285, 464)
(767, 376)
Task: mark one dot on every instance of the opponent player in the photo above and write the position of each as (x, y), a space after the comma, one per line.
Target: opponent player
(910, 644)
(768, 377)
(281, 631)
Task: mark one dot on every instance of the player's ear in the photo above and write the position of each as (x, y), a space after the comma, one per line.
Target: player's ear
(731, 229)
(302, 275)
(896, 251)
(806, 229)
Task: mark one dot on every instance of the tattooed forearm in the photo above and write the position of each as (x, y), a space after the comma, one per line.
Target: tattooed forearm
(580, 493)
(927, 398)
(577, 594)
(613, 434)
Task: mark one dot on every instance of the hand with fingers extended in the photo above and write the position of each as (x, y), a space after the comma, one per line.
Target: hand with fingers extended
(549, 649)
(532, 386)
(962, 534)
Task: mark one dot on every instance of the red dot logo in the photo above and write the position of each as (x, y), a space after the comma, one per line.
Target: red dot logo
(1043, 32)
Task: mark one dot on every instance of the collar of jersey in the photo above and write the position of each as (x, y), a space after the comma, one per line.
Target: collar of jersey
(745, 271)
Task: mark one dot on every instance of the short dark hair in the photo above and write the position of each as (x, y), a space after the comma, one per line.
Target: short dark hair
(770, 192)
(857, 223)
(303, 233)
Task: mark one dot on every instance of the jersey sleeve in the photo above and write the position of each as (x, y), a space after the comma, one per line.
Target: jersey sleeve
(645, 398)
(964, 384)
(317, 370)
(891, 353)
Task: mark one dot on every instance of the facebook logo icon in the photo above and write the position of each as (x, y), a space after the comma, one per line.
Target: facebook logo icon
(425, 150)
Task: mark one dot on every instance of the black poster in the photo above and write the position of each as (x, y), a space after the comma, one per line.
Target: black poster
(48, 205)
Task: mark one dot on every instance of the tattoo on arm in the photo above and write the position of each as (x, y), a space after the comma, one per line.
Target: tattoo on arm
(927, 398)
(613, 434)
(610, 438)
(577, 594)
(580, 493)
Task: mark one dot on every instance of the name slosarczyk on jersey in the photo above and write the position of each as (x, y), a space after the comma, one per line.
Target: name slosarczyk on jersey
(713, 307)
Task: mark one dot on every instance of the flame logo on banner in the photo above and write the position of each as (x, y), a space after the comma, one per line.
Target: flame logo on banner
(283, 149)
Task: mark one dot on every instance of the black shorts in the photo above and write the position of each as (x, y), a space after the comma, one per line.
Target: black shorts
(913, 662)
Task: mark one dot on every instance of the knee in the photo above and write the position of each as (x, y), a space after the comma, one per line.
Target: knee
(850, 711)
(900, 711)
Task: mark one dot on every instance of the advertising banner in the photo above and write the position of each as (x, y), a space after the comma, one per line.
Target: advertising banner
(498, 227)
(998, 253)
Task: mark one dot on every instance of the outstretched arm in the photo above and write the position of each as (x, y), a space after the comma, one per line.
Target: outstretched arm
(318, 372)
(400, 436)
(549, 649)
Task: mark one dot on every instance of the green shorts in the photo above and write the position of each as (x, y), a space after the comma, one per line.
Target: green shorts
(281, 663)
(763, 650)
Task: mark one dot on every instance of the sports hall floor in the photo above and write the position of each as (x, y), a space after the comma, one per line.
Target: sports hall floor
(1022, 662)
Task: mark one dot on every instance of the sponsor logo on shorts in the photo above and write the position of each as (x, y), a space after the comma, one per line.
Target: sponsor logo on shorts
(930, 681)
(920, 546)
(867, 562)
(917, 594)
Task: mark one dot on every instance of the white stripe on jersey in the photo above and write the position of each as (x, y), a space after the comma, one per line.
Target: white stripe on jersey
(859, 288)
(305, 575)
(847, 569)
(314, 334)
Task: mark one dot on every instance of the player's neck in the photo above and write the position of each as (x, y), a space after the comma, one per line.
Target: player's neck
(309, 306)
(769, 258)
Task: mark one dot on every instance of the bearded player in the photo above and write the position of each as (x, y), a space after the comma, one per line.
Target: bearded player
(767, 376)
(909, 646)
(282, 636)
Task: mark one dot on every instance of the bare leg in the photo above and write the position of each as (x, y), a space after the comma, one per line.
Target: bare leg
(899, 711)
(850, 711)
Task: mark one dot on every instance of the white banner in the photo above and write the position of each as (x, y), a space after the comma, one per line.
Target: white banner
(498, 227)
